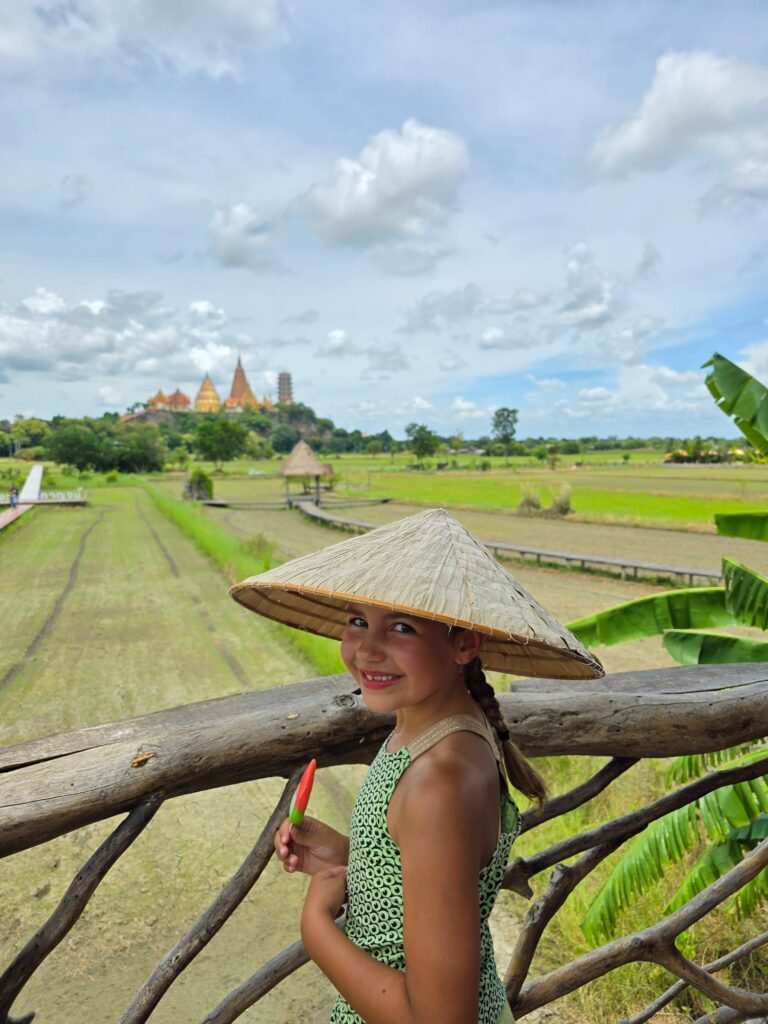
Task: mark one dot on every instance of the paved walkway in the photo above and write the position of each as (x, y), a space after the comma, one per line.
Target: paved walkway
(29, 493)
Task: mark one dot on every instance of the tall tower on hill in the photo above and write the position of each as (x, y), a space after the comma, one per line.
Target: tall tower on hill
(284, 388)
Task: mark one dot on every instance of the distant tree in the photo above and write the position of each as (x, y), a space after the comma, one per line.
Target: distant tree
(75, 444)
(283, 438)
(139, 449)
(423, 442)
(374, 446)
(220, 440)
(503, 428)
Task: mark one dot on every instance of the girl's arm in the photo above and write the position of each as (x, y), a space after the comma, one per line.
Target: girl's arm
(439, 824)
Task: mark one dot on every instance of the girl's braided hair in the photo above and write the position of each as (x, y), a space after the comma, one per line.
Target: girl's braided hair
(520, 772)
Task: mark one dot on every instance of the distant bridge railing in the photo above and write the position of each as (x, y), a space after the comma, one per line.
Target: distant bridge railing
(499, 547)
(56, 784)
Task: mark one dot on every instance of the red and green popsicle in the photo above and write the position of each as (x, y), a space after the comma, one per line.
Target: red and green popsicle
(300, 798)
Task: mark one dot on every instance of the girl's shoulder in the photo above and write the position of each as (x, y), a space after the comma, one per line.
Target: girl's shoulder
(456, 778)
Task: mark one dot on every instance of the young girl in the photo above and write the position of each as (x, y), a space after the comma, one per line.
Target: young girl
(416, 604)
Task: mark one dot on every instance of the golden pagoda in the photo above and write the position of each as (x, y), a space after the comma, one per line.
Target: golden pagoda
(241, 396)
(207, 397)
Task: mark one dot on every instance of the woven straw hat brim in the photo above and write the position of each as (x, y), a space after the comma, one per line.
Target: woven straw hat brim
(431, 567)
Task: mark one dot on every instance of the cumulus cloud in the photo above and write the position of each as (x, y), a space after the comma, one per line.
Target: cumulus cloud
(653, 392)
(386, 358)
(699, 105)
(591, 295)
(450, 362)
(404, 185)
(125, 334)
(198, 36)
(109, 397)
(44, 302)
(513, 335)
(337, 344)
(443, 309)
(466, 410)
(204, 310)
(239, 237)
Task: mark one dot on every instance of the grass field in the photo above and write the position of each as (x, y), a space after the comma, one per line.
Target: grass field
(113, 611)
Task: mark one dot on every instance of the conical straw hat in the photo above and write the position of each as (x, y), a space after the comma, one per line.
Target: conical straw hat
(427, 565)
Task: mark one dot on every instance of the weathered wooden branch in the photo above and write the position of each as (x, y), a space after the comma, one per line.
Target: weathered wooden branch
(680, 986)
(562, 882)
(209, 923)
(52, 785)
(577, 796)
(72, 904)
(265, 979)
(655, 944)
(522, 868)
(723, 1015)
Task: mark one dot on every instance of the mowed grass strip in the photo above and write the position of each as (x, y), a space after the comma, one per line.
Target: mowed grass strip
(130, 636)
(35, 563)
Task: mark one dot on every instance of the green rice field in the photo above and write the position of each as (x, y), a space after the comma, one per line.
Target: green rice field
(121, 608)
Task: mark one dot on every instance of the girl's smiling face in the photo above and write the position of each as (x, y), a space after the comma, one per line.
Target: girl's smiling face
(401, 660)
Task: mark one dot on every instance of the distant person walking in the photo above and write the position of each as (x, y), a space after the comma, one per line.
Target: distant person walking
(13, 495)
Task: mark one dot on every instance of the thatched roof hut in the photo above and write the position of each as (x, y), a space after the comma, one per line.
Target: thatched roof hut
(302, 462)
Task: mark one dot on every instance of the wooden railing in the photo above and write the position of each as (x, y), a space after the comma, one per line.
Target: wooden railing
(54, 785)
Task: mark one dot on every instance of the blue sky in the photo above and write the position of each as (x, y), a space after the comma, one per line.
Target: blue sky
(422, 210)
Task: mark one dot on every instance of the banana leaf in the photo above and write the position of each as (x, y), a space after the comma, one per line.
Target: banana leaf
(732, 816)
(746, 594)
(650, 616)
(747, 525)
(742, 397)
(718, 859)
(692, 766)
(700, 647)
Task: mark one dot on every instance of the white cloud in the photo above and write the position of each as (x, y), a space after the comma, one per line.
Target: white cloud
(337, 344)
(421, 404)
(440, 310)
(110, 397)
(697, 102)
(755, 360)
(467, 410)
(197, 36)
(44, 302)
(404, 185)
(386, 358)
(654, 393)
(451, 361)
(549, 384)
(205, 310)
(515, 335)
(210, 356)
(591, 295)
(239, 237)
(703, 106)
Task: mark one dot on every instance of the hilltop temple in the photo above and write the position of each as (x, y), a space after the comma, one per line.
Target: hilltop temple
(241, 396)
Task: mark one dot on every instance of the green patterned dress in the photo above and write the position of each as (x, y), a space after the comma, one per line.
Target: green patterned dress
(375, 883)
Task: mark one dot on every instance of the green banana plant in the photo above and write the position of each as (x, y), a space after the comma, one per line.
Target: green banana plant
(732, 819)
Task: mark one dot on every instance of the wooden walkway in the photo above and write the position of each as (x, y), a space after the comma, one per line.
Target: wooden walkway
(625, 567)
(28, 496)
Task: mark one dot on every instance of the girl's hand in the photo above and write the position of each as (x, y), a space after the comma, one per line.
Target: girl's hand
(310, 847)
(326, 894)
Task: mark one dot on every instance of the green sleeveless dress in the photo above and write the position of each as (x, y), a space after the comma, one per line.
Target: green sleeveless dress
(374, 878)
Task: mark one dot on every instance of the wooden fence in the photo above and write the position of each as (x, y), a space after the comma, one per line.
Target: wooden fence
(54, 785)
